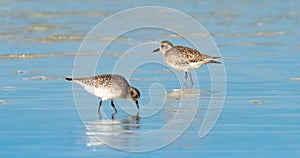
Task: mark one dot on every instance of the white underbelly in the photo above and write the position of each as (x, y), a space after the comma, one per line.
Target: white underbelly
(195, 65)
(104, 94)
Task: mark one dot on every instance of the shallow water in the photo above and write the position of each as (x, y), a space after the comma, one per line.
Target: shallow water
(259, 43)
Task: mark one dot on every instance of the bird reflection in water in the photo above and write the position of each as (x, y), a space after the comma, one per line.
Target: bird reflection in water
(184, 94)
(112, 131)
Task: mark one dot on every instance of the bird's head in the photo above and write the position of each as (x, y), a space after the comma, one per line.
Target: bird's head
(164, 46)
(135, 96)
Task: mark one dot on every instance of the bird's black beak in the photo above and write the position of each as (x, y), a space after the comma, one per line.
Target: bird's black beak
(156, 50)
(137, 104)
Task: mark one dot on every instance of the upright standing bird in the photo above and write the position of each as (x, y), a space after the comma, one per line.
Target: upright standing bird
(184, 58)
(108, 86)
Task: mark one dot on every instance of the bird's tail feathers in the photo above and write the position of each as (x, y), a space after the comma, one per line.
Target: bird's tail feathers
(69, 79)
(213, 60)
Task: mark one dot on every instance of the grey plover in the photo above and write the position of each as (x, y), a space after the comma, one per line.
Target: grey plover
(108, 87)
(184, 58)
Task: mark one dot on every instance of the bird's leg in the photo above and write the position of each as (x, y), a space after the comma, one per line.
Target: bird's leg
(100, 103)
(185, 77)
(113, 115)
(113, 105)
(190, 74)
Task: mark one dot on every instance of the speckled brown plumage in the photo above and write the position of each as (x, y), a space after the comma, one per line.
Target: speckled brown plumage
(98, 81)
(108, 86)
(184, 58)
(192, 55)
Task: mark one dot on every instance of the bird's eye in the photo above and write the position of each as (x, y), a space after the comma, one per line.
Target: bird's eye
(162, 46)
